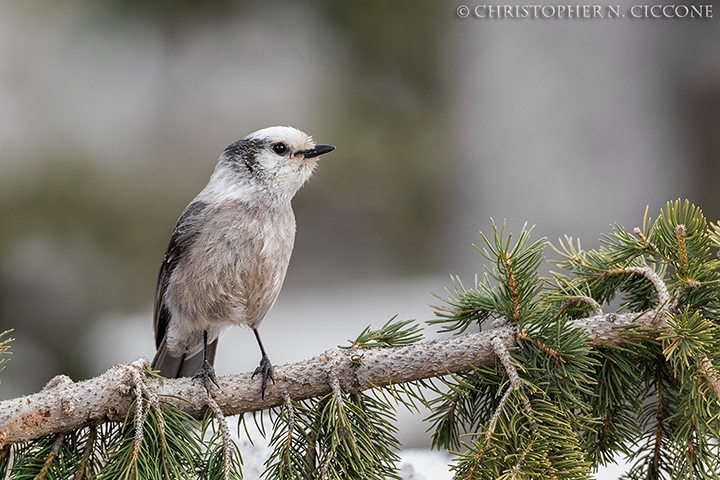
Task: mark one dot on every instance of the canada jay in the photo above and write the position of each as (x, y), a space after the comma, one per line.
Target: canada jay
(229, 252)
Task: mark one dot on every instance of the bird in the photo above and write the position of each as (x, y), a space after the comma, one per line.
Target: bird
(229, 252)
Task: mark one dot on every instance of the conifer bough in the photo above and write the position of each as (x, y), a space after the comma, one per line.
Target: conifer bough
(64, 405)
(551, 387)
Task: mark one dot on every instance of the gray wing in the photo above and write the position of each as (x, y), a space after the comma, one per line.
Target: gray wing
(188, 226)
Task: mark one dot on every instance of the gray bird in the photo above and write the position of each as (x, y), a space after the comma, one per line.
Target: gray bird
(230, 250)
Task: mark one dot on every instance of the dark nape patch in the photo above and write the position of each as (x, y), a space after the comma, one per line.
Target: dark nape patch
(243, 153)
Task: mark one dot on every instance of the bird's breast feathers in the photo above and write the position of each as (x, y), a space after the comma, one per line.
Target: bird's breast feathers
(233, 271)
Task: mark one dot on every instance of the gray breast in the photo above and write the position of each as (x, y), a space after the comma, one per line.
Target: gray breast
(233, 272)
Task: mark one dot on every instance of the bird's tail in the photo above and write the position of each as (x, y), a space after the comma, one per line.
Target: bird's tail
(171, 366)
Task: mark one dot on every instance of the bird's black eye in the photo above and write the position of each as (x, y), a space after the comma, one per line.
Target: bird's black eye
(279, 148)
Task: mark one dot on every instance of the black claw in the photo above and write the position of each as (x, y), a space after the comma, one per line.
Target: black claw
(207, 374)
(266, 369)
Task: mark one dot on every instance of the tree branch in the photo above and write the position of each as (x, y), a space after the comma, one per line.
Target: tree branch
(64, 405)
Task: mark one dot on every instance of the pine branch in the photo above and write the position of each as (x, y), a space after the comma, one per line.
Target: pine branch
(580, 385)
(64, 405)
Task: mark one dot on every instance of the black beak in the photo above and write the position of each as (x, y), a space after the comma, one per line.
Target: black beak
(318, 150)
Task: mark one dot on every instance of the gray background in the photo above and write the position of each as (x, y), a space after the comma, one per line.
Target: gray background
(112, 116)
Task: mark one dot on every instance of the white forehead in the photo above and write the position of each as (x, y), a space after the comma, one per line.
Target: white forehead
(289, 135)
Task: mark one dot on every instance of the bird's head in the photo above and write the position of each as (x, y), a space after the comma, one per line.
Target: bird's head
(273, 162)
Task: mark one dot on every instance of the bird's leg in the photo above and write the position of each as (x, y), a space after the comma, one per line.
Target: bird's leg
(265, 368)
(207, 372)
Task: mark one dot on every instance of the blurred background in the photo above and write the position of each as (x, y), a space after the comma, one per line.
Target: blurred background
(113, 114)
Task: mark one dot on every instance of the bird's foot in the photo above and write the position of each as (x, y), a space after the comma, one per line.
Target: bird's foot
(207, 375)
(266, 369)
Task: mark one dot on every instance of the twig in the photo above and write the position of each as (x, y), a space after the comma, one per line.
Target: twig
(51, 456)
(521, 461)
(498, 411)
(140, 414)
(711, 375)
(654, 278)
(87, 454)
(290, 416)
(504, 356)
(597, 309)
(227, 441)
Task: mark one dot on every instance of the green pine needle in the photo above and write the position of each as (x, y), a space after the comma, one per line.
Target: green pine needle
(395, 333)
(337, 437)
(5, 348)
(509, 289)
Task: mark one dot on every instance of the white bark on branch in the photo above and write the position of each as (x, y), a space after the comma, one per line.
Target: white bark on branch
(64, 405)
